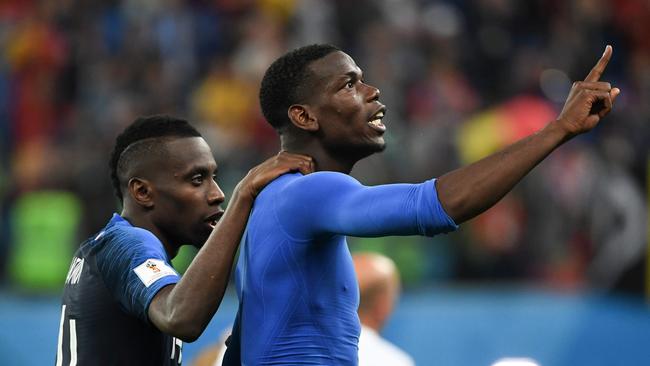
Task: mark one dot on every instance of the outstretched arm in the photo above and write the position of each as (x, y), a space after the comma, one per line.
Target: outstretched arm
(184, 310)
(468, 191)
(326, 203)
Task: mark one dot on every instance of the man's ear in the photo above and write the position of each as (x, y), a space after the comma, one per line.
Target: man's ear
(301, 116)
(141, 191)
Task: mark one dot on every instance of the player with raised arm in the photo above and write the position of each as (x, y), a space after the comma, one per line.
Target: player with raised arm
(123, 303)
(295, 279)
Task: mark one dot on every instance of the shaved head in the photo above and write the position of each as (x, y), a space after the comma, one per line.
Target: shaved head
(142, 159)
(141, 143)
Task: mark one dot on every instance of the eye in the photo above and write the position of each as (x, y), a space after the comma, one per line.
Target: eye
(197, 179)
(349, 84)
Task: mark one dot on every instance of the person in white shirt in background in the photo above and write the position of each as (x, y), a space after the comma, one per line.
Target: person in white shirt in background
(379, 287)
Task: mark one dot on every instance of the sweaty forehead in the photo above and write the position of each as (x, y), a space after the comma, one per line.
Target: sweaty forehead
(333, 66)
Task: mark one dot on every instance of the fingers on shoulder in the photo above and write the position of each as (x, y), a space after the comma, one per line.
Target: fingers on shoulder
(289, 161)
(302, 162)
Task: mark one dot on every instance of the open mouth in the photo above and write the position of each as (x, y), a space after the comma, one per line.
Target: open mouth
(213, 219)
(376, 121)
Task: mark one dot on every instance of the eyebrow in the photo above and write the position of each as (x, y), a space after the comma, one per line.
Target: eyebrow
(354, 74)
(200, 169)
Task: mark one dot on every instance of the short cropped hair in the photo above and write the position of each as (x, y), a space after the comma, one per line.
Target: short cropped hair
(283, 82)
(143, 135)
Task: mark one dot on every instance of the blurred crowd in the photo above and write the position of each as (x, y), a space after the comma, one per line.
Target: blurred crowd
(461, 79)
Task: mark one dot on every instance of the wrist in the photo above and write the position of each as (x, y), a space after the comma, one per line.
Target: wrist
(558, 130)
(243, 192)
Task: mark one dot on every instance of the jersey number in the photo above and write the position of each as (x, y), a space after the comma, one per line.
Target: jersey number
(73, 341)
(176, 343)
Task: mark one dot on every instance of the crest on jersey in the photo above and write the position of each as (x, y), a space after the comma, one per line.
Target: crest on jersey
(152, 270)
(152, 266)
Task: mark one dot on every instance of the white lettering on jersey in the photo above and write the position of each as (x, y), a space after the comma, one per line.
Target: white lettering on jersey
(75, 271)
(59, 348)
(152, 270)
(179, 343)
(73, 341)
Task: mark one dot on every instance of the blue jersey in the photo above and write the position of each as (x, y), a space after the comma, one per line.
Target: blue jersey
(112, 280)
(295, 278)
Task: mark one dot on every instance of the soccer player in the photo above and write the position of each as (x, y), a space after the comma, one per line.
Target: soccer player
(123, 303)
(297, 290)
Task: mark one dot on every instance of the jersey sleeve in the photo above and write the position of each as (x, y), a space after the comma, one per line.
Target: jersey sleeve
(134, 267)
(335, 203)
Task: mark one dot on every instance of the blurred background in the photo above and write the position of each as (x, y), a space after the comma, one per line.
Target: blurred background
(556, 271)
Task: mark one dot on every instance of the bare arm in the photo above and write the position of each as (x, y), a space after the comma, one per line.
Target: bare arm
(470, 190)
(184, 310)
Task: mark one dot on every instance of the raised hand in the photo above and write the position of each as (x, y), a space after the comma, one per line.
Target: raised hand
(589, 100)
(284, 162)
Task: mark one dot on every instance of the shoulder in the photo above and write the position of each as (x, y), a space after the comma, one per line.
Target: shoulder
(307, 190)
(129, 236)
(126, 255)
(119, 232)
(321, 181)
(328, 176)
(126, 244)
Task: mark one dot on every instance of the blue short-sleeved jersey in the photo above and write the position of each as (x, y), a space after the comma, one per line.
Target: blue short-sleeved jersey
(112, 280)
(295, 278)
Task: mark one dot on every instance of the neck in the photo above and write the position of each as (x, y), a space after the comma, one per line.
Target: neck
(324, 159)
(143, 222)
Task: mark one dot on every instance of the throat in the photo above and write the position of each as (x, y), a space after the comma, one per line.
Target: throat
(325, 161)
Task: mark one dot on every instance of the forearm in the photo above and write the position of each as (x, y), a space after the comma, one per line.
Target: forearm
(188, 306)
(470, 190)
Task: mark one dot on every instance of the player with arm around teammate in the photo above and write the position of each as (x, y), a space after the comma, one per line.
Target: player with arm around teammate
(123, 303)
(298, 295)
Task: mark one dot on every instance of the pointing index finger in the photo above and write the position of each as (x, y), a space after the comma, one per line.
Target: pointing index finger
(597, 71)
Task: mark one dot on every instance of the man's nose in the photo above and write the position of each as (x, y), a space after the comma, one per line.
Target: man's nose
(373, 93)
(215, 195)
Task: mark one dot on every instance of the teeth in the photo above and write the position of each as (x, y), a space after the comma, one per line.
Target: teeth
(376, 119)
(379, 115)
